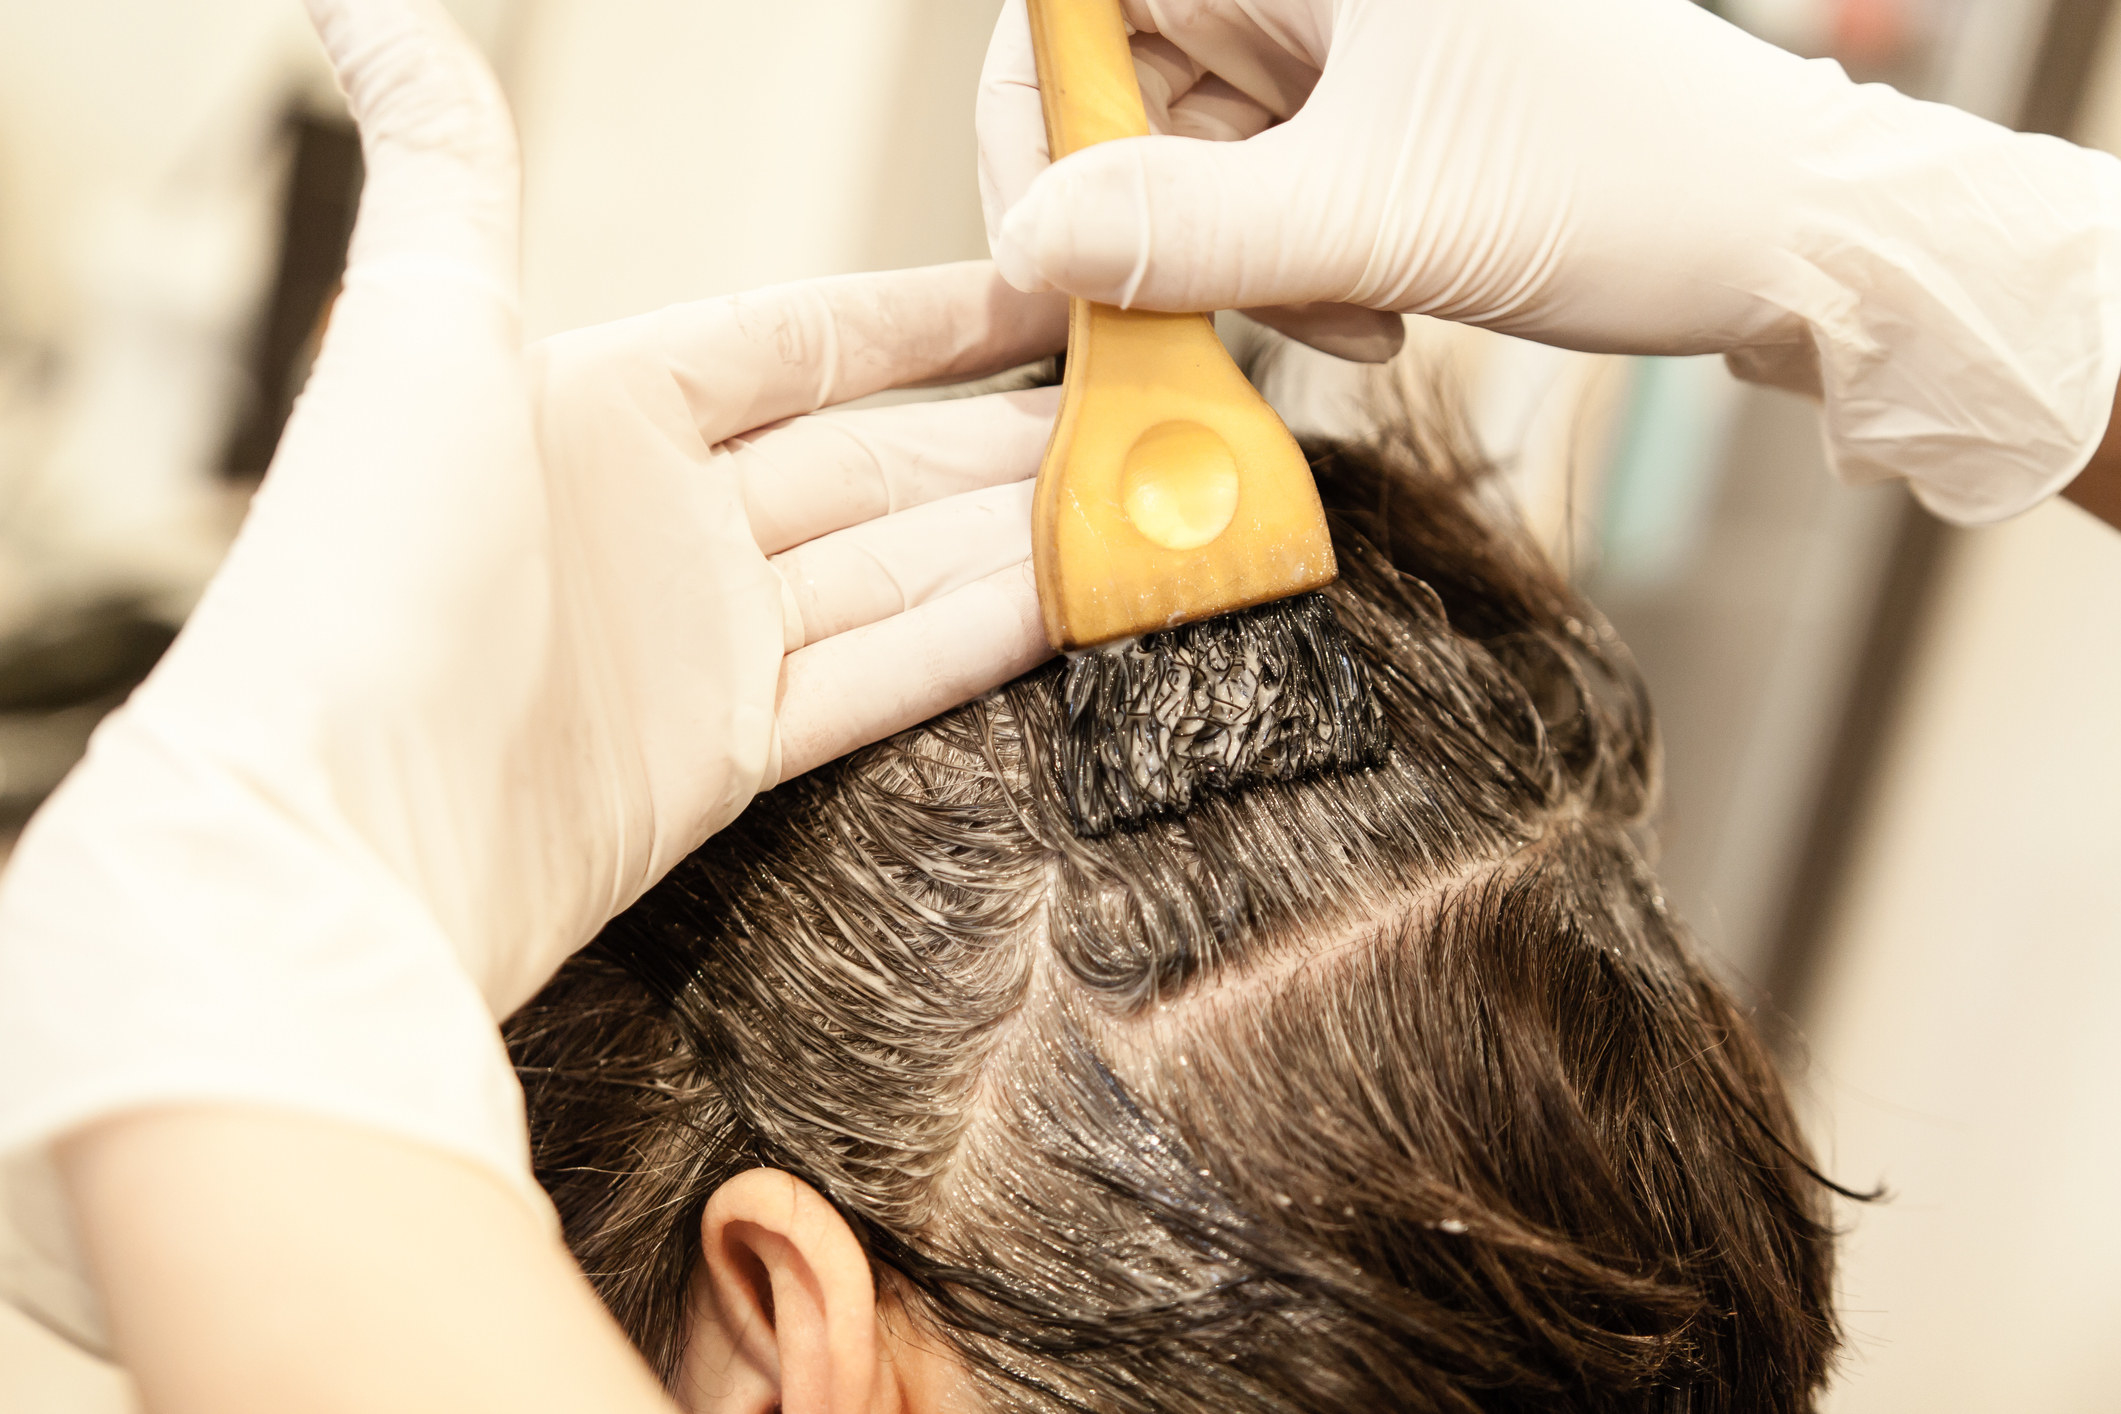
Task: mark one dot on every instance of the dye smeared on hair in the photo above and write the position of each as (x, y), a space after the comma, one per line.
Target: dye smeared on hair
(1273, 693)
(1385, 1089)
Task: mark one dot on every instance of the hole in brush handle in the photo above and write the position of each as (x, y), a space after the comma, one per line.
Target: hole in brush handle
(1180, 485)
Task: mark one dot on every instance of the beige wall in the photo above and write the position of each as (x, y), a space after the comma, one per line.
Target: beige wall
(1967, 1041)
(120, 101)
(675, 149)
(1966, 1050)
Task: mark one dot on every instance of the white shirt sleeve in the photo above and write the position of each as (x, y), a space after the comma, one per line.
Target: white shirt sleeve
(167, 938)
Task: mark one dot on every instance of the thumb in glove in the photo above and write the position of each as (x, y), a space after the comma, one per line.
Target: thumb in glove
(443, 175)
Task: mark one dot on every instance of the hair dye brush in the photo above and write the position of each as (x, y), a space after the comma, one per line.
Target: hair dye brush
(1175, 519)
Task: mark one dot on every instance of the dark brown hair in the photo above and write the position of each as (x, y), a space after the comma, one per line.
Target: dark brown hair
(1396, 1089)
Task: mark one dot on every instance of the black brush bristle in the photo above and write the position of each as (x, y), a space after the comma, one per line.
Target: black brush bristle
(1271, 693)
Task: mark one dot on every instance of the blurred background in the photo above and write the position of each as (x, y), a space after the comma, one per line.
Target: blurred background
(1893, 750)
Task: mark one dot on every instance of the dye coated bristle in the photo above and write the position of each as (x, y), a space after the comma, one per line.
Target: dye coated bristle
(1267, 694)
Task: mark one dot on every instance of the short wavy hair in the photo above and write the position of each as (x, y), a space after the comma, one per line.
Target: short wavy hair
(1391, 1089)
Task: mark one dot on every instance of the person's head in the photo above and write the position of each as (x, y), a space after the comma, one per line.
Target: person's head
(1395, 1089)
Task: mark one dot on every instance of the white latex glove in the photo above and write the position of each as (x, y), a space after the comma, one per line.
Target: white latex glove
(503, 638)
(1621, 175)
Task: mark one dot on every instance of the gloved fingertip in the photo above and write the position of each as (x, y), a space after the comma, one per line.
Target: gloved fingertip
(1013, 246)
(1080, 228)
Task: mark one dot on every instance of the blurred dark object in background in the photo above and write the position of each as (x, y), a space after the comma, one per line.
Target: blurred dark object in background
(57, 680)
(88, 654)
(323, 191)
(2062, 67)
(94, 638)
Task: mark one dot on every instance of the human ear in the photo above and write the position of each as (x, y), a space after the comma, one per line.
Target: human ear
(783, 1311)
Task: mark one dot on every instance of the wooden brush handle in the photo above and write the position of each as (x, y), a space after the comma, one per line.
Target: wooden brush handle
(1086, 81)
(1170, 491)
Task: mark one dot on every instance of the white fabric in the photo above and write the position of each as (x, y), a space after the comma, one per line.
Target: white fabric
(1615, 175)
(504, 636)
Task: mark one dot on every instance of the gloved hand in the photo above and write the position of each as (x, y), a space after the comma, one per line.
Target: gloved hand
(1621, 175)
(503, 637)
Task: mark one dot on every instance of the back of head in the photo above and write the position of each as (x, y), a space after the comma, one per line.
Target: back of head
(1394, 1089)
